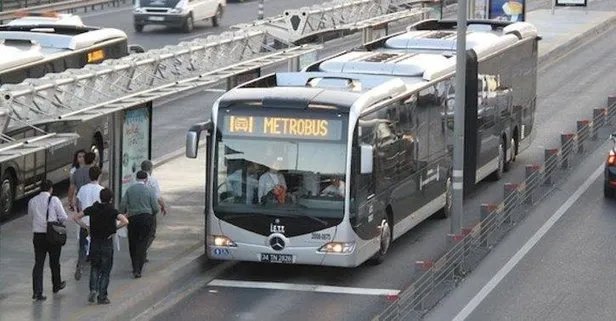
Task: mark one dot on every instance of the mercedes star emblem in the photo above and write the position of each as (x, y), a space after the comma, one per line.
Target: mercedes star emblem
(277, 243)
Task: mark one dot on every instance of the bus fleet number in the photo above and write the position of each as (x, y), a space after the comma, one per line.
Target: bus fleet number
(321, 236)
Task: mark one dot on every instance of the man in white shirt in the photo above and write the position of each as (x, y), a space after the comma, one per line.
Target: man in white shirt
(269, 181)
(38, 208)
(88, 195)
(235, 182)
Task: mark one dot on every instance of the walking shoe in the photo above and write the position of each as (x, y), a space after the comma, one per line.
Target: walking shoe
(39, 297)
(103, 301)
(137, 275)
(91, 296)
(78, 275)
(60, 287)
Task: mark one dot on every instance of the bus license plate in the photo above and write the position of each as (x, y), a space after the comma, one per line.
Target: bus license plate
(157, 18)
(277, 258)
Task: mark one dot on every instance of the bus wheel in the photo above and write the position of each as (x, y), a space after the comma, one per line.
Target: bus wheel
(385, 241)
(6, 196)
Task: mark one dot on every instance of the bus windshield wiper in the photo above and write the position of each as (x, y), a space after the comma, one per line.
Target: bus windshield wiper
(242, 215)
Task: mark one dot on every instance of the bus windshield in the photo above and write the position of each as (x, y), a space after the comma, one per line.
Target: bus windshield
(258, 172)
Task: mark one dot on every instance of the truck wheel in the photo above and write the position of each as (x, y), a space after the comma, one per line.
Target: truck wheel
(189, 24)
(138, 28)
(217, 17)
(7, 196)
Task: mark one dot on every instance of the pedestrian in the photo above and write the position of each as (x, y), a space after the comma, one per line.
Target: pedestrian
(103, 226)
(44, 208)
(80, 177)
(152, 183)
(140, 205)
(78, 161)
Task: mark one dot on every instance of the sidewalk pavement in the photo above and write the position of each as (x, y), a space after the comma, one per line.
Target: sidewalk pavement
(179, 241)
(177, 253)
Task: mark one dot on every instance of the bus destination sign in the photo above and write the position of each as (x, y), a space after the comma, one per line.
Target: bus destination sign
(283, 127)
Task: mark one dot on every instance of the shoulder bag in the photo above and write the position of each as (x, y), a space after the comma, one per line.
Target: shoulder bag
(56, 231)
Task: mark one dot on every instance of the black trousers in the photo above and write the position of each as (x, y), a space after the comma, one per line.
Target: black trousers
(152, 235)
(139, 229)
(83, 248)
(41, 248)
(101, 258)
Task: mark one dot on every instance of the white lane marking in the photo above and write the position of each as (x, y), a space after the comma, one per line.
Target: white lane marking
(199, 35)
(105, 12)
(302, 287)
(500, 275)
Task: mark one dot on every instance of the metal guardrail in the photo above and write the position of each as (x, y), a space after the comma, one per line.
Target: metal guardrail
(60, 6)
(435, 278)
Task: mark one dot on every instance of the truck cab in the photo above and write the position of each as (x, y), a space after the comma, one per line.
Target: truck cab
(177, 13)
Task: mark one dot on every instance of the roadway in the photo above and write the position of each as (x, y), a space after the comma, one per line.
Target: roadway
(159, 36)
(568, 90)
(569, 274)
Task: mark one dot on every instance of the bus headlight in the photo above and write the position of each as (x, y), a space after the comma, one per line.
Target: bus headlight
(337, 247)
(221, 240)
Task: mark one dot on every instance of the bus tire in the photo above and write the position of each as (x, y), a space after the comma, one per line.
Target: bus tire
(7, 194)
(385, 241)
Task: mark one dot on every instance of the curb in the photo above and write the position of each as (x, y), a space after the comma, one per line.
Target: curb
(152, 292)
(577, 41)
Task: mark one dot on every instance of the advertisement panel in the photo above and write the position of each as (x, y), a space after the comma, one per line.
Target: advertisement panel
(571, 3)
(507, 10)
(136, 144)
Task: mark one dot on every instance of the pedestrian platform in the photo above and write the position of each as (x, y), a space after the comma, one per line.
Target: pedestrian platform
(178, 247)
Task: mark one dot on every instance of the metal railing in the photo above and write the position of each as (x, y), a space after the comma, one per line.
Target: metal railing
(435, 278)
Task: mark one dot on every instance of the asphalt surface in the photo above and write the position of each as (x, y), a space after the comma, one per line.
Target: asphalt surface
(568, 275)
(159, 36)
(567, 92)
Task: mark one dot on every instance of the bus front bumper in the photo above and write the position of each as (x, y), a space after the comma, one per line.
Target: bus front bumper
(289, 255)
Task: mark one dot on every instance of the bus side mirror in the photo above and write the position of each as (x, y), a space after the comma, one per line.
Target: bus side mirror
(366, 157)
(192, 143)
(193, 136)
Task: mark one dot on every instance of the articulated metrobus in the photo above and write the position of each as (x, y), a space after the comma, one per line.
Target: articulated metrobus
(32, 51)
(328, 166)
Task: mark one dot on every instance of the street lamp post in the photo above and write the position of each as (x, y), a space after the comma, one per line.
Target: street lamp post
(458, 128)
